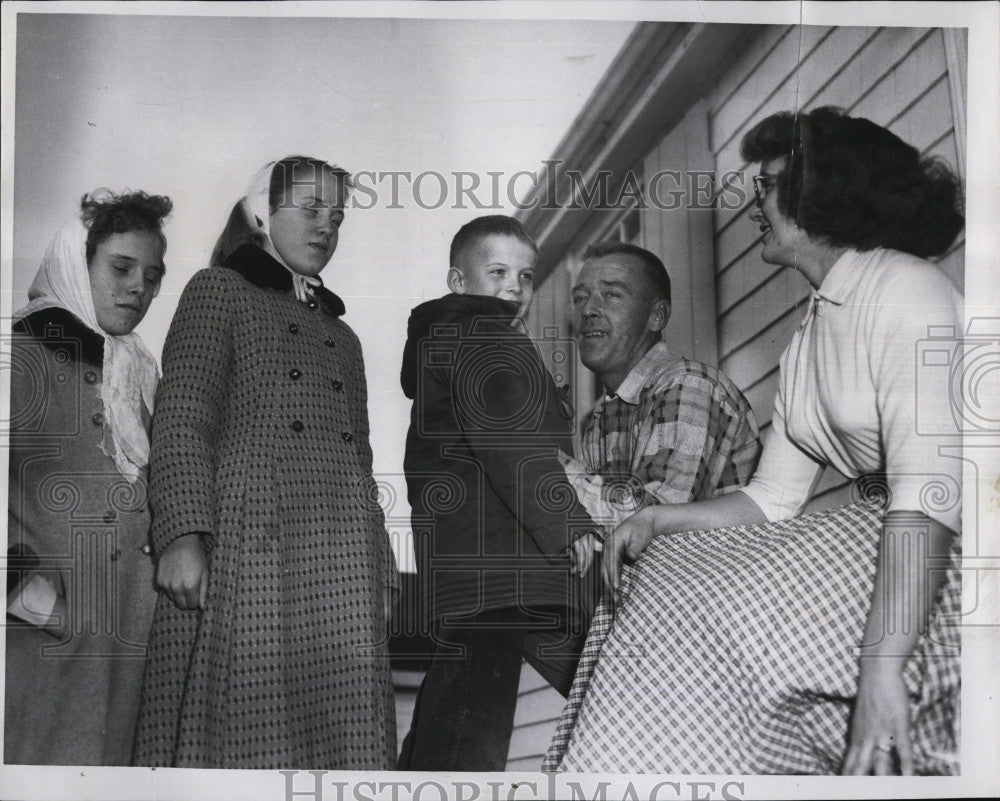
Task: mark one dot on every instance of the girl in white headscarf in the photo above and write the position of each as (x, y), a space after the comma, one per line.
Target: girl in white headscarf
(80, 595)
(268, 648)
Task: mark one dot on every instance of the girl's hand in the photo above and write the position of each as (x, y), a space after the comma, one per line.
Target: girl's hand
(630, 539)
(182, 572)
(880, 725)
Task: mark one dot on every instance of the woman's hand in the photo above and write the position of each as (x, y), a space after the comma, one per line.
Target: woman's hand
(630, 539)
(880, 725)
(182, 572)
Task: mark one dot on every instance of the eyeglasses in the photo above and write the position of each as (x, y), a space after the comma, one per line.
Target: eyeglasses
(761, 183)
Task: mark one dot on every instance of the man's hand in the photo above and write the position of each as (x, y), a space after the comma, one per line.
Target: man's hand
(182, 572)
(581, 553)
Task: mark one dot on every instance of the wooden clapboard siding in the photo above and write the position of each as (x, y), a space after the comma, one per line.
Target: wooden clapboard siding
(405, 685)
(549, 326)
(681, 233)
(538, 711)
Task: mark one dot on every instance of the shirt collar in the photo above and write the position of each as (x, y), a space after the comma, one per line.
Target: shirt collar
(260, 268)
(631, 387)
(843, 276)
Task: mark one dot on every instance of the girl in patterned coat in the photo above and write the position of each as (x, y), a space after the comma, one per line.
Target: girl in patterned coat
(80, 578)
(268, 647)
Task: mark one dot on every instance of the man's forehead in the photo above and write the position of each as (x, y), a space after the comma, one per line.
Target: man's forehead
(619, 268)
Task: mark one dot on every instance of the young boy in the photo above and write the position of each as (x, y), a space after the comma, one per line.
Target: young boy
(494, 519)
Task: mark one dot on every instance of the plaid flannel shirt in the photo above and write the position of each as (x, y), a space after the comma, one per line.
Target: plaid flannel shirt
(675, 431)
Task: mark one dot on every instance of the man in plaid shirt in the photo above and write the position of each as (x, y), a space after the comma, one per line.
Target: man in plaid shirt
(668, 430)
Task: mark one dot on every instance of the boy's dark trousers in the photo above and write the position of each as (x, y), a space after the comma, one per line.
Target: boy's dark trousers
(464, 714)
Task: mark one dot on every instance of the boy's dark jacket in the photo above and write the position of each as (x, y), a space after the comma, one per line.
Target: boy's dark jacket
(493, 514)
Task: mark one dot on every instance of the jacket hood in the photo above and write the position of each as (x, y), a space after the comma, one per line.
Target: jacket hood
(441, 311)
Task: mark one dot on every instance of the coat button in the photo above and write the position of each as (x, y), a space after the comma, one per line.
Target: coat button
(312, 304)
(295, 374)
(90, 377)
(110, 516)
(297, 426)
(146, 549)
(329, 342)
(97, 419)
(347, 436)
(116, 554)
(293, 328)
(337, 385)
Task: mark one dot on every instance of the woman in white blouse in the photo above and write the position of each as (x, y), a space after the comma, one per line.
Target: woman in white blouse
(821, 643)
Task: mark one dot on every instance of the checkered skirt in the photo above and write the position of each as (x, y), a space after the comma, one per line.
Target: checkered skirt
(734, 651)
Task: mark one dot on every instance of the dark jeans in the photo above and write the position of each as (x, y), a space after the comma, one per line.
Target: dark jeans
(464, 712)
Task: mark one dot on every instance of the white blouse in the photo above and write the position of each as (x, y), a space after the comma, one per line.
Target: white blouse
(866, 386)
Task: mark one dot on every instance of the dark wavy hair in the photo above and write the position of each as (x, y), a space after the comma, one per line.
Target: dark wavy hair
(652, 267)
(106, 213)
(851, 183)
(482, 227)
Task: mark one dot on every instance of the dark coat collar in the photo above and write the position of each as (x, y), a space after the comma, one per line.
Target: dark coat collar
(263, 271)
(55, 327)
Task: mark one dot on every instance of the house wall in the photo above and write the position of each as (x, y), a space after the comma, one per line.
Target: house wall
(730, 308)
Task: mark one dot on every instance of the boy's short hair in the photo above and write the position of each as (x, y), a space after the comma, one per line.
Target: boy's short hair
(481, 227)
(652, 267)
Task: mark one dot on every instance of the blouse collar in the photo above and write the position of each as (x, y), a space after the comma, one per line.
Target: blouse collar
(845, 273)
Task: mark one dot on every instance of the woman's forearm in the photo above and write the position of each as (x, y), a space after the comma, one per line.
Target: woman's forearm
(732, 509)
(633, 536)
(907, 581)
(909, 574)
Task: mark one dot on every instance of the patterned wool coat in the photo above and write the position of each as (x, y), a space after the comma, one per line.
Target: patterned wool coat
(261, 443)
(76, 520)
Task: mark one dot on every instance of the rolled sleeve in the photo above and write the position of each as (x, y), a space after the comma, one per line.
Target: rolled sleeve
(912, 357)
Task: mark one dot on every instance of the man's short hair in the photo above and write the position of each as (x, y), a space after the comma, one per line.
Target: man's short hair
(652, 268)
(481, 227)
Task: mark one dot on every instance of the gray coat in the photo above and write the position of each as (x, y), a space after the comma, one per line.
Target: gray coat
(75, 519)
(260, 444)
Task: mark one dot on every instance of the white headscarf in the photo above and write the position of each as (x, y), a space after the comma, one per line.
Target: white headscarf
(130, 371)
(257, 207)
